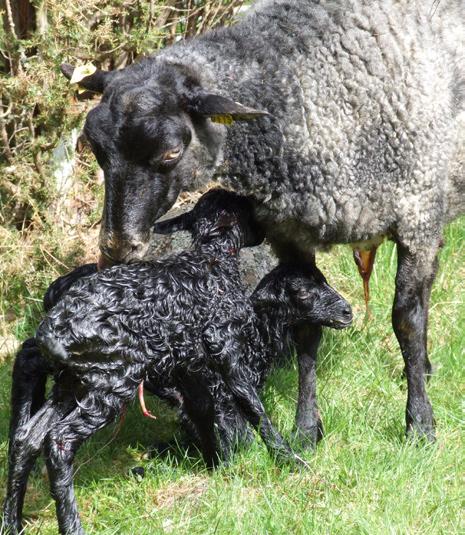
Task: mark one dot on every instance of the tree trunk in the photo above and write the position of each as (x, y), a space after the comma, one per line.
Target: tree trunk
(19, 17)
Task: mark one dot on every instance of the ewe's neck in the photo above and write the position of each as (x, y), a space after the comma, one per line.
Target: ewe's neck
(216, 61)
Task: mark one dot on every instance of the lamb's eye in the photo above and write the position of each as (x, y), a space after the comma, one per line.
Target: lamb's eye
(305, 294)
(171, 155)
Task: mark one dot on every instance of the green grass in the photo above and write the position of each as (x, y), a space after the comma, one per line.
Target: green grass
(364, 478)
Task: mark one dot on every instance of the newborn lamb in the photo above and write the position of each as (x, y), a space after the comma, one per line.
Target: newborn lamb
(177, 318)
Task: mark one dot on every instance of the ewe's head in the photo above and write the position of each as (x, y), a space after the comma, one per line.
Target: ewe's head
(154, 135)
(217, 214)
(302, 293)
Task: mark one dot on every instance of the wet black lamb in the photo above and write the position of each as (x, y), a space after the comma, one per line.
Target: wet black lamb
(276, 302)
(291, 296)
(178, 321)
(173, 319)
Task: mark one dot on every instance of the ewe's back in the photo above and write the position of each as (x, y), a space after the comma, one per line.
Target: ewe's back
(367, 94)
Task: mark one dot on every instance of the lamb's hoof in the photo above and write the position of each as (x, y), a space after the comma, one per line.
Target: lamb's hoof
(9, 523)
(138, 472)
(9, 530)
(299, 462)
(287, 457)
(421, 433)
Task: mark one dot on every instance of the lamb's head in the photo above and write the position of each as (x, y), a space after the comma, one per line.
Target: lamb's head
(218, 215)
(155, 133)
(301, 294)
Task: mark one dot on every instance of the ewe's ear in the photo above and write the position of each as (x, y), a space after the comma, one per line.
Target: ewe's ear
(95, 82)
(175, 224)
(223, 110)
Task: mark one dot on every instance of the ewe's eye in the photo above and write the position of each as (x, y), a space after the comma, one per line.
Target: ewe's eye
(171, 155)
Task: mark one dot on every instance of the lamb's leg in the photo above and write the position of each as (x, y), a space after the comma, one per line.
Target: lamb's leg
(24, 450)
(309, 428)
(415, 275)
(30, 373)
(94, 412)
(199, 407)
(254, 411)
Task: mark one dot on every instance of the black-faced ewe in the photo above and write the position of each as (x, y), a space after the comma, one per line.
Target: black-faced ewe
(173, 318)
(339, 118)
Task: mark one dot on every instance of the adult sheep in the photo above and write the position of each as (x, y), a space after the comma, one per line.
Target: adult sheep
(338, 117)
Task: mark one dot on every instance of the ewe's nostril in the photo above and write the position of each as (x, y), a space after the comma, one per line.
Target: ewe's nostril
(136, 251)
(347, 313)
(125, 252)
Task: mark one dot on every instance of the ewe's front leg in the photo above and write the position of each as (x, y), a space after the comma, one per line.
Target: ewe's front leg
(309, 428)
(415, 276)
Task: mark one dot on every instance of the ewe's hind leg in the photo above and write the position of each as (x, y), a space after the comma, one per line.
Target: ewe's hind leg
(24, 450)
(94, 412)
(415, 276)
(309, 428)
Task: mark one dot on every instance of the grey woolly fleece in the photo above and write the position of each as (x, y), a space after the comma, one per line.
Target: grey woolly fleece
(365, 97)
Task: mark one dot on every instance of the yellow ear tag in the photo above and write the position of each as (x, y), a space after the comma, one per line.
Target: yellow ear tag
(225, 119)
(81, 72)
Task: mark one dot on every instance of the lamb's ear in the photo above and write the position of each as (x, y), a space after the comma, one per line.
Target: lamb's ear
(265, 298)
(225, 221)
(94, 82)
(175, 224)
(223, 110)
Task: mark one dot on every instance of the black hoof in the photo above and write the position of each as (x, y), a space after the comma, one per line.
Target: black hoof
(7, 528)
(421, 427)
(306, 438)
(138, 472)
(417, 432)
